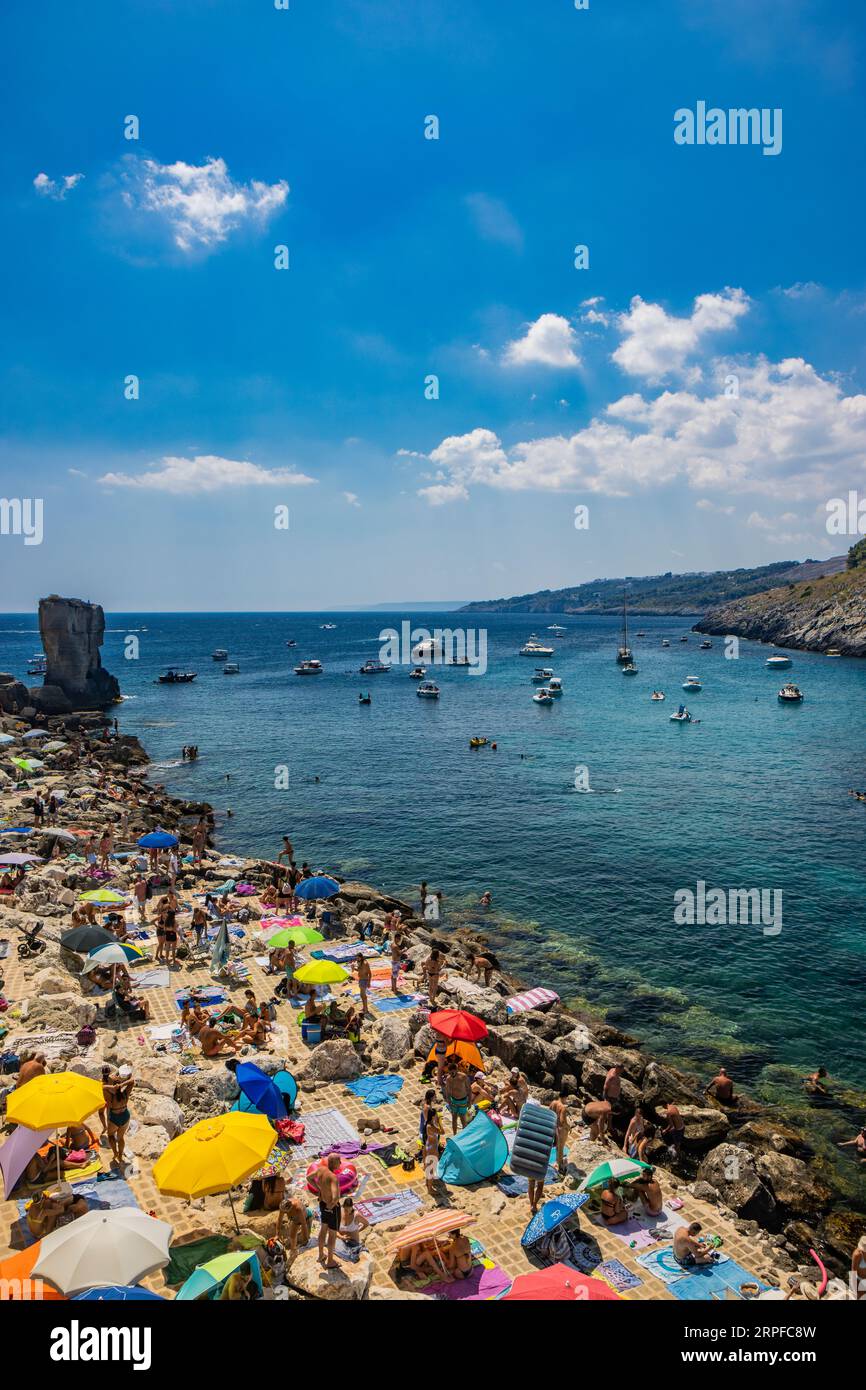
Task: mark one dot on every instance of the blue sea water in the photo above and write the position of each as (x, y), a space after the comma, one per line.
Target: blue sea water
(583, 883)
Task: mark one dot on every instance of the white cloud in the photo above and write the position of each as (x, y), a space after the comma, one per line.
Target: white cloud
(76, 473)
(594, 313)
(205, 473)
(792, 435)
(548, 342)
(199, 203)
(51, 188)
(657, 345)
(493, 221)
(704, 504)
(352, 499)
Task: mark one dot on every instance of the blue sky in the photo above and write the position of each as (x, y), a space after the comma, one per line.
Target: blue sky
(409, 257)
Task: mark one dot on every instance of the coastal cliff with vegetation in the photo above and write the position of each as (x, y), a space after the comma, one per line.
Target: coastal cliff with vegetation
(674, 594)
(818, 614)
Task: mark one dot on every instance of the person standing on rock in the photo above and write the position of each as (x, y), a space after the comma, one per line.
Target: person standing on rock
(396, 960)
(328, 1186)
(674, 1131)
(116, 1092)
(106, 845)
(560, 1110)
(365, 976)
(457, 1093)
(596, 1114)
(431, 970)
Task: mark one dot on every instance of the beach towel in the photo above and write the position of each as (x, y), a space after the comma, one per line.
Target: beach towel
(395, 1002)
(208, 995)
(663, 1265)
(376, 1090)
(392, 1155)
(158, 978)
(93, 1194)
(161, 1031)
(389, 1207)
(344, 950)
(632, 1232)
(512, 1185)
(531, 999)
(484, 1281)
(584, 1254)
(613, 1272)
(186, 1258)
(714, 1281)
(323, 1128)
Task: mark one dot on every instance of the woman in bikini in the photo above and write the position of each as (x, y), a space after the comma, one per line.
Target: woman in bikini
(117, 1092)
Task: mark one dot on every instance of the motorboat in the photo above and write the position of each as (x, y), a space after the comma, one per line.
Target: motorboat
(373, 667)
(706, 645)
(532, 647)
(428, 690)
(554, 686)
(623, 654)
(555, 627)
(417, 673)
(777, 662)
(665, 642)
(478, 743)
(629, 669)
(641, 634)
(458, 661)
(542, 675)
(684, 639)
(173, 677)
(365, 699)
(692, 683)
(327, 627)
(219, 654)
(231, 668)
(428, 649)
(832, 651)
(543, 696)
(682, 716)
(291, 642)
(37, 665)
(790, 693)
(309, 668)
(657, 695)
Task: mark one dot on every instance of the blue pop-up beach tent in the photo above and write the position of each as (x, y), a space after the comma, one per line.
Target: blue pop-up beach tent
(479, 1151)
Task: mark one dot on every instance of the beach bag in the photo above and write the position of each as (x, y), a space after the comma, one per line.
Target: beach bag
(9, 1062)
(293, 1130)
(86, 1036)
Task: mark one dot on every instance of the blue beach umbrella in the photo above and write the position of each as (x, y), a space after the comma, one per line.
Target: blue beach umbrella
(258, 1088)
(287, 1087)
(554, 1213)
(118, 1293)
(207, 1278)
(318, 887)
(158, 839)
(6, 738)
(37, 733)
(16, 830)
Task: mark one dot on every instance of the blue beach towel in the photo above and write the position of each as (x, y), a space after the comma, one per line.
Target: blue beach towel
(376, 1090)
(713, 1281)
(391, 1003)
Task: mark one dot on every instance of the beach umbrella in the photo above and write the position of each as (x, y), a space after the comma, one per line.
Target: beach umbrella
(112, 953)
(55, 834)
(16, 1281)
(311, 889)
(6, 738)
(87, 938)
(103, 1248)
(214, 1155)
(158, 839)
(16, 1153)
(54, 1101)
(458, 1025)
(613, 1170)
(27, 764)
(106, 897)
(559, 1284)
(261, 1090)
(274, 923)
(209, 1276)
(294, 936)
(36, 733)
(20, 859)
(437, 1223)
(55, 746)
(118, 1293)
(321, 972)
(221, 949)
(554, 1213)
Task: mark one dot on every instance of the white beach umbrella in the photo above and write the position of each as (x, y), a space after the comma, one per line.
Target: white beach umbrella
(102, 1248)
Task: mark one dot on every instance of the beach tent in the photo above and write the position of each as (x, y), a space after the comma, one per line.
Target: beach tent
(479, 1151)
(258, 1098)
(210, 1277)
(466, 1051)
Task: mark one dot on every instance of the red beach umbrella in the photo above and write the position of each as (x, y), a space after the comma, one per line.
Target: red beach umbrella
(458, 1025)
(559, 1284)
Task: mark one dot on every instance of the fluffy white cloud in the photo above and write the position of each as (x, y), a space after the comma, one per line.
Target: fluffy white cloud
(548, 342)
(200, 203)
(205, 473)
(791, 434)
(656, 344)
(56, 189)
(352, 499)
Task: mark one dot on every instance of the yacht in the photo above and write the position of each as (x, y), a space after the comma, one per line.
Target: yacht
(458, 661)
(231, 668)
(417, 673)
(554, 686)
(790, 693)
(555, 627)
(373, 667)
(706, 645)
(428, 690)
(219, 654)
(692, 683)
(682, 716)
(684, 639)
(543, 696)
(309, 668)
(641, 634)
(532, 647)
(657, 695)
(623, 654)
(327, 627)
(173, 677)
(665, 642)
(542, 675)
(776, 663)
(37, 665)
(832, 651)
(629, 669)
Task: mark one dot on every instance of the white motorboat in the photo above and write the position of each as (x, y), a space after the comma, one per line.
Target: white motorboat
(832, 651)
(38, 665)
(373, 667)
(791, 694)
(417, 673)
(532, 647)
(555, 627)
(309, 668)
(554, 686)
(706, 645)
(684, 639)
(327, 627)
(231, 668)
(219, 654)
(428, 690)
(543, 697)
(629, 669)
(682, 716)
(776, 663)
(665, 642)
(657, 695)
(692, 683)
(542, 675)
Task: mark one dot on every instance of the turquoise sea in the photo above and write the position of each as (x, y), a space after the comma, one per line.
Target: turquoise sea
(583, 882)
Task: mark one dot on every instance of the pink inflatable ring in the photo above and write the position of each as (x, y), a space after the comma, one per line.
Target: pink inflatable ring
(347, 1174)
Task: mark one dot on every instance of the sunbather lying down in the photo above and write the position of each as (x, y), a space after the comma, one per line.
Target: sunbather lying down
(55, 1207)
(447, 1261)
(78, 1147)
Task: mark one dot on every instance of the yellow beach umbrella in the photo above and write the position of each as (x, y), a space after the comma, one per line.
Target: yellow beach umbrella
(214, 1155)
(103, 895)
(321, 972)
(54, 1101)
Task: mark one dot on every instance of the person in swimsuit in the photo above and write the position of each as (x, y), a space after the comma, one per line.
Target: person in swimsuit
(722, 1087)
(297, 1217)
(858, 1143)
(328, 1185)
(365, 976)
(432, 1143)
(170, 927)
(560, 1110)
(458, 1256)
(648, 1189)
(613, 1208)
(457, 1094)
(674, 1130)
(432, 970)
(117, 1091)
(688, 1249)
(199, 925)
(396, 960)
(634, 1133)
(352, 1224)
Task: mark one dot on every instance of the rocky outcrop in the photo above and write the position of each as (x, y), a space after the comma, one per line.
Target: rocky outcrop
(730, 1171)
(335, 1060)
(72, 633)
(14, 695)
(794, 1184)
(346, 1284)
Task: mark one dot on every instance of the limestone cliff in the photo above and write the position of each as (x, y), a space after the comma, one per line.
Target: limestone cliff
(72, 633)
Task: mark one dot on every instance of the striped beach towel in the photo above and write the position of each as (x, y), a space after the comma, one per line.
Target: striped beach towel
(532, 999)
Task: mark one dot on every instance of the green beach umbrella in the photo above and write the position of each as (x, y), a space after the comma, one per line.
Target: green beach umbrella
(613, 1170)
(28, 764)
(294, 936)
(103, 895)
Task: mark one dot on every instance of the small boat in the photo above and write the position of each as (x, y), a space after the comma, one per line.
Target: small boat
(37, 665)
(684, 639)
(832, 651)
(543, 697)
(790, 693)
(623, 654)
(657, 695)
(554, 686)
(777, 662)
(428, 690)
(291, 642)
(682, 716)
(373, 667)
(219, 654)
(173, 677)
(532, 647)
(542, 675)
(417, 673)
(692, 683)
(629, 669)
(327, 627)
(641, 634)
(665, 642)
(309, 668)
(458, 661)
(231, 668)
(555, 627)
(706, 645)
(365, 699)
(477, 742)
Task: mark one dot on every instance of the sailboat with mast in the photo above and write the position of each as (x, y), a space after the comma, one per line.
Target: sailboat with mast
(623, 655)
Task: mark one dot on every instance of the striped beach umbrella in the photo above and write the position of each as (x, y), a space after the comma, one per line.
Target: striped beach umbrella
(436, 1223)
